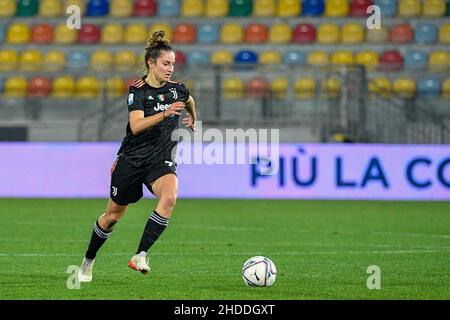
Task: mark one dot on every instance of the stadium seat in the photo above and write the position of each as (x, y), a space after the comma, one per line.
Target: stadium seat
(18, 33)
(101, 60)
(434, 8)
(54, 60)
(331, 87)
(135, 33)
(180, 58)
(87, 87)
(30, 60)
(391, 60)
(342, 57)
(304, 33)
(184, 33)
(313, 8)
(279, 87)
(112, 33)
(2, 32)
(378, 35)
(121, 8)
(15, 87)
(27, 8)
(288, 8)
(232, 88)
(444, 32)
(79, 3)
(336, 8)
(358, 8)
(198, 57)
(8, 8)
(246, 57)
(264, 8)
(328, 33)
(114, 87)
(168, 8)
(162, 26)
(257, 88)
(405, 87)
(280, 33)
(318, 58)
(125, 61)
(8, 60)
(270, 57)
(222, 57)
(294, 58)
(256, 33)
(63, 87)
(448, 9)
(39, 87)
(367, 58)
(439, 61)
(388, 8)
(305, 88)
(78, 60)
(145, 8)
(446, 89)
(240, 8)
(401, 33)
(409, 8)
(192, 8)
(352, 33)
(1, 86)
(50, 8)
(42, 34)
(425, 33)
(416, 59)
(231, 33)
(64, 35)
(208, 33)
(429, 87)
(89, 34)
(380, 86)
(97, 8)
(216, 8)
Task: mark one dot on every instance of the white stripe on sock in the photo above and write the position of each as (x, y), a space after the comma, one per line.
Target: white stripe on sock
(100, 233)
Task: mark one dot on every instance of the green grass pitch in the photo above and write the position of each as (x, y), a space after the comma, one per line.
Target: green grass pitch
(322, 249)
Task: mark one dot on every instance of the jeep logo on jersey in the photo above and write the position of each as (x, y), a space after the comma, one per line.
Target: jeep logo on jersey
(161, 98)
(174, 93)
(162, 107)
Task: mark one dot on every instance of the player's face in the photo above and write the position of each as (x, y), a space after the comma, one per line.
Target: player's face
(164, 66)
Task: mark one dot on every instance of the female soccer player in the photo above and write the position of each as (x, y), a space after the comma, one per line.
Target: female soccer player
(145, 155)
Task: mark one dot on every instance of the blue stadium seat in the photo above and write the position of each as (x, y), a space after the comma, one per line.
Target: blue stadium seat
(295, 58)
(429, 87)
(416, 59)
(425, 33)
(78, 60)
(208, 33)
(1, 85)
(388, 7)
(313, 8)
(2, 33)
(246, 56)
(97, 8)
(198, 57)
(168, 8)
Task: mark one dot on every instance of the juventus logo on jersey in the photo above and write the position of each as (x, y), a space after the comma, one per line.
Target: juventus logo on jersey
(174, 93)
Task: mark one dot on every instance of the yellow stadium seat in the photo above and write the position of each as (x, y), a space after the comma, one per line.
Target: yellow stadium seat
(121, 8)
(135, 33)
(439, 61)
(64, 35)
(50, 8)
(162, 26)
(192, 8)
(446, 88)
(444, 33)
(8, 60)
(30, 60)
(305, 88)
(231, 33)
(18, 33)
(288, 8)
(232, 88)
(80, 3)
(352, 33)
(114, 87)
(369, 59)
(328, 33)
(8, 8)
(112, 33)
(270, 57)
(380, 86)
(342, 57)
(221, 57)
(280, 33)
(404, 87)
(409, 8)
(217, 8)
(331, 87)
(264, 8)
(434, 8)
(337, 8)
(63, 87)
(16, 87)
(378, 35)
(125, 61)
(87, 87)
(279, 87)
(101, 60)
(54, 61)
(318, 58)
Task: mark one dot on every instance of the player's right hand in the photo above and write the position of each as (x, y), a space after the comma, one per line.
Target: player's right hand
(175, 108)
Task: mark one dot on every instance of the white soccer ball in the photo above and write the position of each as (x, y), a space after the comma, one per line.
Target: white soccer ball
(259, 271)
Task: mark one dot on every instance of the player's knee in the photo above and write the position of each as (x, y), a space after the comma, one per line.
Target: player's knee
(169, 201)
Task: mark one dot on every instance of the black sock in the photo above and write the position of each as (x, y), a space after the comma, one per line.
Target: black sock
(153, 229)
(98, 238)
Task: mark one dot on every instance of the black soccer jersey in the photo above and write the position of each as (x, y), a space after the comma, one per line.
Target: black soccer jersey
(155, 143)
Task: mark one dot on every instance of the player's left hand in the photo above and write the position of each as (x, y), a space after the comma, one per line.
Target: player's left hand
(189, 122)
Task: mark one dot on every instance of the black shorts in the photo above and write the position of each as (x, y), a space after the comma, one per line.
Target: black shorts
(127, 179)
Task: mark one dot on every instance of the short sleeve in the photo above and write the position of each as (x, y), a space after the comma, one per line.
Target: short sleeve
(135, 99)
